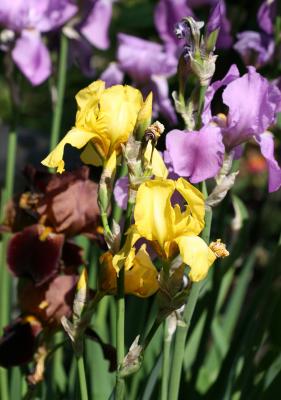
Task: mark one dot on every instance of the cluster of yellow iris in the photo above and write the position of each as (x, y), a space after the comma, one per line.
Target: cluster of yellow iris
(105, 120)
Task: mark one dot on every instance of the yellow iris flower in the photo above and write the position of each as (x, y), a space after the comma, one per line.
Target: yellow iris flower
(105, 119)
(169, 229)
(140, 278)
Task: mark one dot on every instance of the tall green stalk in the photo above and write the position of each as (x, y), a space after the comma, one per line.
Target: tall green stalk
(120, 321)
(5, 280)
(58, 108)
(82, 378)
(182, 329)
(166, 361)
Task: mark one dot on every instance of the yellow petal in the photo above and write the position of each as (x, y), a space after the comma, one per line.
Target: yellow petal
(144, 117)
(87, 101)
(153, 210)
(77, 138)
(142, 279)
(159, 169)
(119, 108)
(125, 252)
(197, 255)
(196, 207)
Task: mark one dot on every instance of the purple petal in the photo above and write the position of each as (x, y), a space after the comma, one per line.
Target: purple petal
(113, 75)
(215, 18)
(121, 192)
(266, 143)
(141, 58)
(167, 14)
(56, 13)
(255, 48)
(253, 104)
(197, 155)
(32, 57)
(95, 27)
(81, 53)
(225, 38)
(266, 16)
(162, 103)
(231, 75)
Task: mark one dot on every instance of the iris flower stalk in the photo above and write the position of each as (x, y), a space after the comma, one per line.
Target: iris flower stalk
(182, 330)
(5, 280)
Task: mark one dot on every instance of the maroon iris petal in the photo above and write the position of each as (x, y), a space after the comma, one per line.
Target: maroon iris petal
(18, 343)
(30, 255)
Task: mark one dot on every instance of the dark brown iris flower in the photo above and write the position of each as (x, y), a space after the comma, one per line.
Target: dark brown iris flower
(66, 202)
(40, 254)
(18, 344)
(49, 302)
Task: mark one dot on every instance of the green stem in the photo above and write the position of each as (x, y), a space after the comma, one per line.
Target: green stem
(82, 378)
(182, 329)
(120, 321)
(166, 361)
(202, 92)
(117, 211)
(56, 123)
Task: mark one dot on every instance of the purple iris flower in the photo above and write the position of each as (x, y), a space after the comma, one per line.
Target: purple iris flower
(149, 66)
(253, 104)
(255, 48)
(28, 19)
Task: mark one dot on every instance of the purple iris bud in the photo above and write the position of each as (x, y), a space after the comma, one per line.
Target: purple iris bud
(266, 16)
(167, 14)
(181, 30)
(214, 22)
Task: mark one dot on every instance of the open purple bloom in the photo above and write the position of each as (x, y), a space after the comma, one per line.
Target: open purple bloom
(28, 19)
(252, 104)
(149, 66)
(255, 48)
(196, 155)
(266, 16)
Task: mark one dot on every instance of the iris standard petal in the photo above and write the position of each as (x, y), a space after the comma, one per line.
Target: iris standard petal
(119, 108)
